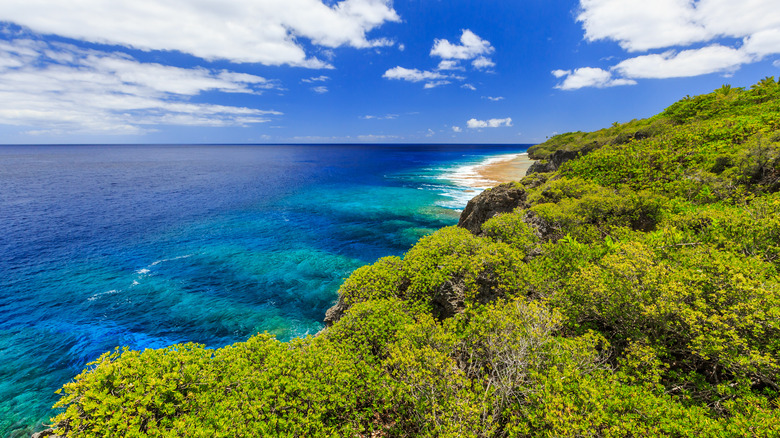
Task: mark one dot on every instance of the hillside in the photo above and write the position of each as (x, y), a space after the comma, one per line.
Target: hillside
(631, 290)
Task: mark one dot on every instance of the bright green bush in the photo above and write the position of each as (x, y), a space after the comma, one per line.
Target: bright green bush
(454, 262)
(589, 212)
(511, 229)
(381, 280)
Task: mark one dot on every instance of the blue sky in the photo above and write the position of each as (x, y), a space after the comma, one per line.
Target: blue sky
(322, 71)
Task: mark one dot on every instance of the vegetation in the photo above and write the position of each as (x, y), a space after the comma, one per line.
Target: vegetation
(637, 295)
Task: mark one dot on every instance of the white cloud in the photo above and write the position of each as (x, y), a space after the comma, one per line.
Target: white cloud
(412, 74)
(430, 133)
(448, 64)
(457, 129)
(320, 90)
(432, 79)
(776, 63)
(590, 77)
(312, 80)
(384, 117)
(492, 123)
(683, 64)
(87, 91)
(469, 87)
(244, 31)
(435, 84)
(732, 33)
(470, 47)
(639, 25)
(482, 63)
(763, 43)
(371, 138)
(493, 99)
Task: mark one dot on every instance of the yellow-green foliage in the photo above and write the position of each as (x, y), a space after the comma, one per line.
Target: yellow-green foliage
(590, 212)
(455, 258)
(509, 228)
(637, 295)
(383, 279)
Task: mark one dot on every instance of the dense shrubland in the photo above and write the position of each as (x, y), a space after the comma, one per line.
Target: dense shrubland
(635, 293)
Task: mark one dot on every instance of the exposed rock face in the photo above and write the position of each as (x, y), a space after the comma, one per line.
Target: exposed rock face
(555, 160)
(335, 312)
(541, 166)
(500, 199)
(48, 433)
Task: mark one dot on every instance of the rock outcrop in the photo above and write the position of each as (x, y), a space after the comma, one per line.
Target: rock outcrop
(48, 433)
(335, 312)
(556, 159)
(503, 198)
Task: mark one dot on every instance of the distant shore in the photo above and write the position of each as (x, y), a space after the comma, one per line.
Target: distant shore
(496, 170)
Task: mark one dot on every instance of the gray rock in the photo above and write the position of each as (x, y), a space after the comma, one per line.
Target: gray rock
(557, 158)
(48, 433)
(333, 314)
(503, 198)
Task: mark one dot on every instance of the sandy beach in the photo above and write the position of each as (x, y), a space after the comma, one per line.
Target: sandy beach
(505, 170)
(494, 171)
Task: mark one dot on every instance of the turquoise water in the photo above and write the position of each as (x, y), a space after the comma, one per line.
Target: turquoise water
(146, 246)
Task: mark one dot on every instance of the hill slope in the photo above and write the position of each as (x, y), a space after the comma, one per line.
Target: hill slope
(634, 291)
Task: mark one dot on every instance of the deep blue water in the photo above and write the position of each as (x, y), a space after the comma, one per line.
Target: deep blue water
(146, 246)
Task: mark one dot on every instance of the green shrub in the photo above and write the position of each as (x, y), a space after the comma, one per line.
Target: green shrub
(381, 280)
(511, 229)
(453, 264)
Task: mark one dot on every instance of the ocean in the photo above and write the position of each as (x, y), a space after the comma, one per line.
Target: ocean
(147, 246)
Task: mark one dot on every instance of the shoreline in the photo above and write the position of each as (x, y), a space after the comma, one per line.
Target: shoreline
(494, 171)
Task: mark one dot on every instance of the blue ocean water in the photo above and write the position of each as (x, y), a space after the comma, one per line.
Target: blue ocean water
(146, 246)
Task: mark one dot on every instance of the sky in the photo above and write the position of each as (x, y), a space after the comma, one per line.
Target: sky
(363, 71)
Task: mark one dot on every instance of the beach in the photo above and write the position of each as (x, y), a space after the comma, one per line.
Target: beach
(493, 171)
(505, 168)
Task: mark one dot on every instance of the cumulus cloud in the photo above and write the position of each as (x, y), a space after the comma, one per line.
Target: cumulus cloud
(243, 31)
(469, 87)
(457, 129)
(320, 90)
(482, 63)
(639, 25)
(412, 74)
(492, 123)
(493, 99)
(68, 89)
(763, 43)
(470, 47)
(432, 79)
(589, 77)
(448, 64)
(727, 35)
(687, 63)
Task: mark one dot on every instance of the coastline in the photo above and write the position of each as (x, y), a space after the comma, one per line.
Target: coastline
(493, 171)
(506, 168)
